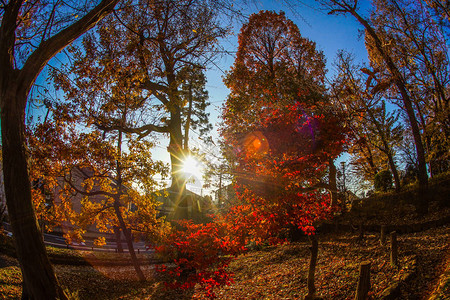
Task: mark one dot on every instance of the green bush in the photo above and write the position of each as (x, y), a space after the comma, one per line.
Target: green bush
(383, 181)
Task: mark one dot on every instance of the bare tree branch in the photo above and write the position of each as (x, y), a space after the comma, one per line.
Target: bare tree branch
(141, 131)
(56, 43)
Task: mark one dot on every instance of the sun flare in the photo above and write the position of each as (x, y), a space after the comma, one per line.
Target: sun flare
(191, 166)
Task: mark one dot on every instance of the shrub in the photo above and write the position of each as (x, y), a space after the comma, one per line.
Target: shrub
(411, 174)
(383, 181)
(201, 254)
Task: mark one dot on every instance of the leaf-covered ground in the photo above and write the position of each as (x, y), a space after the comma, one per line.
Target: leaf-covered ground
(10, 278)
(277, 272)
(280, 273)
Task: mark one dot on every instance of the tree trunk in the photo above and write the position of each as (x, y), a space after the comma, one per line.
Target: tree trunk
(25, 295)
(400, 84)
(37, 272)
(38, 275)
(393, 170)
(118, 242)
(361, 232)
(332, 183)
(188, 120)
(370, 160)
(386, 149)
(129, 241)
(123, 226)
(176, 152)
(312, 267)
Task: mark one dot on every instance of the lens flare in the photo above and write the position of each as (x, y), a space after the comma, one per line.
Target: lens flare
(191, 166)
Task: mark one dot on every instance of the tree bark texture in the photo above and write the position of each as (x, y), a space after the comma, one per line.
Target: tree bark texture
(118, 239)
(37, 272)
(176, 151)
(187, 126)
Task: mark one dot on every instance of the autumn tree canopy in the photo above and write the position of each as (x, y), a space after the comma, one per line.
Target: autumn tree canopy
(274, 64)
(159, 52)
(279, 124)
(416, 40)
(91, 167)
(404, 42)
(375, 130)
(141, 74)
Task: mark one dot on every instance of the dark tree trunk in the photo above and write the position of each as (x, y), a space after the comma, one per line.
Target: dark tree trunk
(129, 240)
(422, 206)
(176, 152)
(394, 171)
(187, 126)
(370, 161)
(312, 267)
(123, 226)
(25, 294)
(383, 235)
(361, 232)
(118, 239)
(37, 272)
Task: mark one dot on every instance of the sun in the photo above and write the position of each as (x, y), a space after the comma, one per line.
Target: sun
(191, 166)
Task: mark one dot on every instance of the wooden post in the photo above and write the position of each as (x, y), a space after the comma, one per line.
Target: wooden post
(394, 249)
(363, 282)
(361, 232)
(383, 235)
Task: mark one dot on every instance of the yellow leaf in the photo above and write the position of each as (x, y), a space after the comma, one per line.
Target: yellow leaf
(100, 241)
